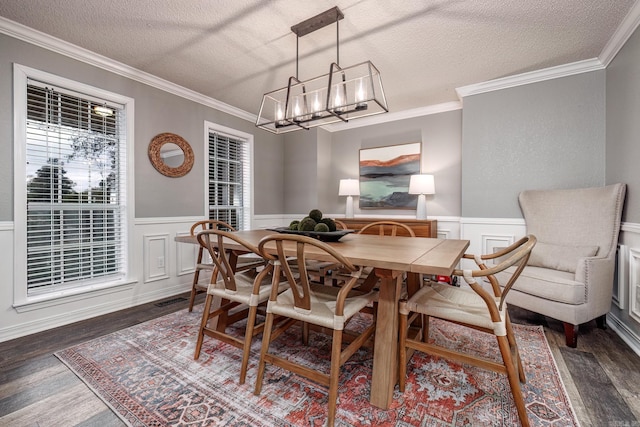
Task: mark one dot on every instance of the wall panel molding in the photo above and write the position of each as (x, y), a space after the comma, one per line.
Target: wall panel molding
(621, 278)
(634, 283)
(156, 256)
(186, 256)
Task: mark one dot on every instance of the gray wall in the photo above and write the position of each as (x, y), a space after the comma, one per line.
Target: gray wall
(301, 171)
(623, 123)
(156, 111)
(545, 135)
(441, 144)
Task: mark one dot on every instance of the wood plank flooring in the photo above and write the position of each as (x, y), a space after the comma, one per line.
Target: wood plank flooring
(602, 375)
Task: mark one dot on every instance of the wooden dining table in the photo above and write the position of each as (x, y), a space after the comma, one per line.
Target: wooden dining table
(390, 257)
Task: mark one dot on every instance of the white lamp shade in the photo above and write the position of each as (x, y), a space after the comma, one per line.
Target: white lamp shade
(422, 184)
(349, 187)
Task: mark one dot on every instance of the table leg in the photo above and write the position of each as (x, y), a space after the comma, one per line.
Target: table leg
(385, 354)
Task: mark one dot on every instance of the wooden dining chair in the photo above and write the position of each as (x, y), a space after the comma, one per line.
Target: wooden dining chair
(242, 263)
(380, 228)
(321, 270)
(312, 304)
(245, 289)
(387, 228)
(475, 308)
(340, 225)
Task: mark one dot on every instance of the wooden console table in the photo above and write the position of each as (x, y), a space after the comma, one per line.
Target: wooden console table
(422, 227)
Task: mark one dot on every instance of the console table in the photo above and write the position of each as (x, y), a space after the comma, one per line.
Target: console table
(422, 227)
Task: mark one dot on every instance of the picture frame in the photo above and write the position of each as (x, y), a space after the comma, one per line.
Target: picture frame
(385, 173)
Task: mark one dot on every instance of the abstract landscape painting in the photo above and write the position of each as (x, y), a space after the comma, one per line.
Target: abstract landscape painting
(385, 173)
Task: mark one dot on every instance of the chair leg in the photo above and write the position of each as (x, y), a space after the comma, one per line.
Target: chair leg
(402, 352)
(305, 333)
(248, 337)
(203, 324)
(196, 277)
(425, 328)
(194, 290)
(571, 334)
(266, 337)
(515, 351)
(601, 321)
(334, 376)
(514, 381)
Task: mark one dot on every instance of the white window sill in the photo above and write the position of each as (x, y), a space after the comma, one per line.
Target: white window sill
(71, 295)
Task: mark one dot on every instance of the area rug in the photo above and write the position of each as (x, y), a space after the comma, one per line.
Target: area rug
(147, 375)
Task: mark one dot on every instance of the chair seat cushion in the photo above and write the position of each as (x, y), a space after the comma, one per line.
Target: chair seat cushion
(456, 304)
(244, 289)
(323, 306)
(552, 285)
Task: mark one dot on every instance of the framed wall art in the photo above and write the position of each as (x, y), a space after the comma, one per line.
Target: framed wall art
(385, 173)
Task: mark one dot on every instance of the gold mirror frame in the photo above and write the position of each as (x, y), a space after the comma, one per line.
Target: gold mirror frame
(154, 155)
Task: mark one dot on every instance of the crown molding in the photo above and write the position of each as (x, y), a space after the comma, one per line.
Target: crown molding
(531, 77)
(622, 34)
(62, 47)
(395, 116)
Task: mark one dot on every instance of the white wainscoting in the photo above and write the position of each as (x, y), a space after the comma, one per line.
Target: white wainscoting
(164, 268)
(160, 269)
(624, 317)
(486, 235)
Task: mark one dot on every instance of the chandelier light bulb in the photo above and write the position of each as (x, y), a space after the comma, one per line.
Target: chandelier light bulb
(338, 101)
(361, 95)
(317, 106)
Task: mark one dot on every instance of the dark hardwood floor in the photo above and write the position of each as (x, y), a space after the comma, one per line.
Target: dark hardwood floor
(602, 375)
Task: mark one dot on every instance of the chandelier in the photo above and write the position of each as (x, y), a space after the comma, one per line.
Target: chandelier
(341, 95)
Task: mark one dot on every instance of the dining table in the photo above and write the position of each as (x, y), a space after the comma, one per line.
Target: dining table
(392, 258)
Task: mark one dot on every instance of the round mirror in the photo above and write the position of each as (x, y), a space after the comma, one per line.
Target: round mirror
(171, 155)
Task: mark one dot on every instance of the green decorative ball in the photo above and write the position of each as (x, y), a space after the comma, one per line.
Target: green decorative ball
(321, 227)
(307, 224)
(294, 225)
(330, 223)
(315, 214)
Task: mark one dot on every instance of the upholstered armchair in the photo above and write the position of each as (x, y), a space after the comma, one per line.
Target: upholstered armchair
(569, 276)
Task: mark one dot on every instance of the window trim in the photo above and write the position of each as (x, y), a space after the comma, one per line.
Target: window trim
(210, 127)
(20, 75)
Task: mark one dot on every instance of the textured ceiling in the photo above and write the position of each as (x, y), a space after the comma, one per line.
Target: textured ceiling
(236, 50)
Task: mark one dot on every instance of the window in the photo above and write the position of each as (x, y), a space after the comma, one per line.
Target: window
(73, 214)
(229, 175)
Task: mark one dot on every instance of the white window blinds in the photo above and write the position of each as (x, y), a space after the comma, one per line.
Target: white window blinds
(229, 180)
(75, 152)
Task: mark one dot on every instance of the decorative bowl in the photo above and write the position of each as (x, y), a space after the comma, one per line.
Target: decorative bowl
(325, 236)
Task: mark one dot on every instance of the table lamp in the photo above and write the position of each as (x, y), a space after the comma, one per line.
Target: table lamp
(422, 184)
(349, 188)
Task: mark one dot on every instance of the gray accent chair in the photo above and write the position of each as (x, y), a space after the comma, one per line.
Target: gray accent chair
(569, 276)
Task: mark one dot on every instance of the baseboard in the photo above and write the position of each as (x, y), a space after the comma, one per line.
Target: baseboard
(623, 331)
(68, 317)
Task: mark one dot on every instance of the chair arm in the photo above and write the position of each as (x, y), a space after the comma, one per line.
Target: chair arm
(597, 275)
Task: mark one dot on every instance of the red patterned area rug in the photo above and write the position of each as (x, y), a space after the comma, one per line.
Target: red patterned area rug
(147, 375)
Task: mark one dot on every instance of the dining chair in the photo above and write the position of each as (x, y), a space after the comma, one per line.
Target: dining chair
(387, 228)
(321, 270)
(381, 228)
(311, 303)
(340, 225)
(476, 308)
(243, 263)
(246, 289)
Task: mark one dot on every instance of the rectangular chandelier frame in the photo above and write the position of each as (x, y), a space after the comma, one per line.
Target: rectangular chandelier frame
(339, 96)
